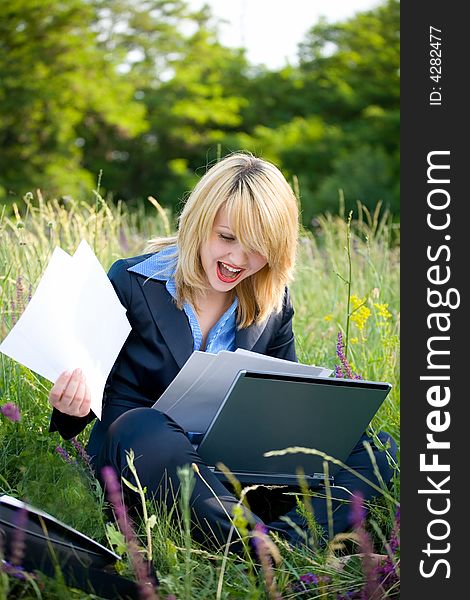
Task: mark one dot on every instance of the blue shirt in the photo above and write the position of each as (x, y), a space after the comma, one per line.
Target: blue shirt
(162, 266)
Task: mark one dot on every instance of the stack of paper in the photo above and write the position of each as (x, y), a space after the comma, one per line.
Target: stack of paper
(74, 320)
(193, 398)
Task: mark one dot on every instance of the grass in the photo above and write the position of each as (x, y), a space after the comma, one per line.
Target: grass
(341, 264)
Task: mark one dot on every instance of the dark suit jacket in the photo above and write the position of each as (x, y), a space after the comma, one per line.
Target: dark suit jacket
(158, 346)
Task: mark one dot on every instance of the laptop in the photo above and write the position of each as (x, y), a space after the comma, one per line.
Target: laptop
(271, 411)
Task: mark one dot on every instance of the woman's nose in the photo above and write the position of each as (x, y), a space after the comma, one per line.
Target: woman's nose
(239, 256)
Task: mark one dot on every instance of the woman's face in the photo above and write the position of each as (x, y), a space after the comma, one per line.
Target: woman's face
(223, 258)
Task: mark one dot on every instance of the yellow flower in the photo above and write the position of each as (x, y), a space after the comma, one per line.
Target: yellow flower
(356, 301)
(328, 317)
(383, 311)
(360, 312)
(354, 340)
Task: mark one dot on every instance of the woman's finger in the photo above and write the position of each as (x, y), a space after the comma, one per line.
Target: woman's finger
(59, 387)
(68, 392)
(83, 394)
(68, 400)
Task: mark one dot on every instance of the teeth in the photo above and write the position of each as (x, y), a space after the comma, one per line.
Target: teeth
(231, 269)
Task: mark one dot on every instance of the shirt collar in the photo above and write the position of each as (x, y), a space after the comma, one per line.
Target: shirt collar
(161, 265)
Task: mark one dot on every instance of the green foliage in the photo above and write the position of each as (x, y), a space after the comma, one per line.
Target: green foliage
(352, 69)
(363, 173)
(54, 76)
(322, 308)
(144, 91)
(187, 114)
(333, 122)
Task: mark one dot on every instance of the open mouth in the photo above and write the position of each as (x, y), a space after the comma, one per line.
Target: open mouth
(227, 273)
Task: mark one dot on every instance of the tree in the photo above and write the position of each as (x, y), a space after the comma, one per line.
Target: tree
(334, 121)
(190, 85)
(351, 69)
(53, 75)
(143, 90)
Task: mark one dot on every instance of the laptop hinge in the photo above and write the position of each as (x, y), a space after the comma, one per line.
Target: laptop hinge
(271, 478)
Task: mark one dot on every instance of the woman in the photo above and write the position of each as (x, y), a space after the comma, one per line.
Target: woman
(219, 284)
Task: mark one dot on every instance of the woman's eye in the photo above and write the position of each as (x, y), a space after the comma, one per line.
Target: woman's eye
(226, 237)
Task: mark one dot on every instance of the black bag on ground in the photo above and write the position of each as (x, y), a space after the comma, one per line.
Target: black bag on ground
(48, 542)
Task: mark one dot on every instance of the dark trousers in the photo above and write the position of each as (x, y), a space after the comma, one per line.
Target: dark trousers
(161, 446)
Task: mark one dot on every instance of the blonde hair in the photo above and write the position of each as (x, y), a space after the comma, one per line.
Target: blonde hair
(263, 215)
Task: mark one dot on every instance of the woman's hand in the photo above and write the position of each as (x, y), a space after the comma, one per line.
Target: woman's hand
(70, 394)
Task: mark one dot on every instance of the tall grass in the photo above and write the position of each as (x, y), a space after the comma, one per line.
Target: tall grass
(31, 468)
(320, 297)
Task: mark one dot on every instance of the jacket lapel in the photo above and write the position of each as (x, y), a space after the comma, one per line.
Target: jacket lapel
(170, 320)
(246, 338)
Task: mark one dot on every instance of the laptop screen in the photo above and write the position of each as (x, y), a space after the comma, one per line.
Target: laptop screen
(263, 412)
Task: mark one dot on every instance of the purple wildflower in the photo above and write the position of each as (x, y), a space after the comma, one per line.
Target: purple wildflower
(114, 495)
(309, 579)
(388, 572)
(395, 536)
(371, 589)
(64, 454)
(20, 293)
(14, 570)
(83, 454)
(113, 488)
(306, 583)
(17, 546)
(13, 567)
(11, 412)
(123, 240)
(260, 530)
(261, 546)
(13, 312)
(342, 356)
(357, 513)
(345, 370)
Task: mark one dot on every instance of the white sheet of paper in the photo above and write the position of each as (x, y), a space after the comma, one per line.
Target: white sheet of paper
(41, 322)
(74, 319)
(315, 372)
(194, 369)
(197, 406)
